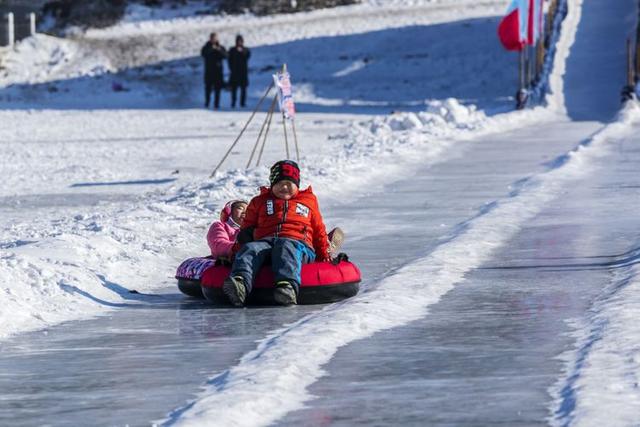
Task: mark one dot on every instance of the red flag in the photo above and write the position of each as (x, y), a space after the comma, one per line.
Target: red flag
(509, 30)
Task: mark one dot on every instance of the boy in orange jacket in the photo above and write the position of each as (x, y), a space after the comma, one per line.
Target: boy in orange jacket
(287, 225)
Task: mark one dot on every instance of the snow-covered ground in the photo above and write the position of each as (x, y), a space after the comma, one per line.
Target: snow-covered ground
(107, 190)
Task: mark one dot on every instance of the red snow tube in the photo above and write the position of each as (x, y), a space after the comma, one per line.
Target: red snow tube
(322, 282)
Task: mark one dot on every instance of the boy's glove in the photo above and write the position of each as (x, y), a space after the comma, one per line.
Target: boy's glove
(223, 261)
(245, 235)
(326, 258)
(339, 258)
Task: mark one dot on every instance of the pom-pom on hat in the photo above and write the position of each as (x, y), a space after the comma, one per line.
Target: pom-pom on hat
(285, 169)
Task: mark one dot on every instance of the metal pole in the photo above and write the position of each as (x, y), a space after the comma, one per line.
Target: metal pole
(295, 139)
(527, 67)
(10, 29)
(286, 140)
(32, 24)
(521, 69)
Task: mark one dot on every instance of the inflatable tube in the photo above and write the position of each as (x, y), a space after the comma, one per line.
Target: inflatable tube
(322, 282)
(191, 288)
(189, 274)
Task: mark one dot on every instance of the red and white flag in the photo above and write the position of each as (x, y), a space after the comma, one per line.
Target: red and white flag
(513, 29)
(282, 82)
(535, 21)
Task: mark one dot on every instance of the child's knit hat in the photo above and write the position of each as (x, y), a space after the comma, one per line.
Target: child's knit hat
(285, 169)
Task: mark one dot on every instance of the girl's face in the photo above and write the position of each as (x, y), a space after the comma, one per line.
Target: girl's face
(238, 212)
(284, 189)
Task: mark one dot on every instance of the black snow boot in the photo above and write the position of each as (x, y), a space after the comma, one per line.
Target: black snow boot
(285, 293)
(235, 290)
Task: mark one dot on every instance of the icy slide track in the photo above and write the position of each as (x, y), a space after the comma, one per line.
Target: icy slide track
(405, 295)
(445, 264)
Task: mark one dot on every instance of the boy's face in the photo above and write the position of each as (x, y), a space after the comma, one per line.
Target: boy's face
(284, 189)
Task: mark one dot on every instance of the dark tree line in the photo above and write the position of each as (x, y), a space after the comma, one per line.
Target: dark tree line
(103, 13)
(266, 7)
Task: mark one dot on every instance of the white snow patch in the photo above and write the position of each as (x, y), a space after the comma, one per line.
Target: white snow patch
(601, 385)
(352, 68)
(555, 99)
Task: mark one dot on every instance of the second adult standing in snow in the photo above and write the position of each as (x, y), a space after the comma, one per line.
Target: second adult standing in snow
(239, 71)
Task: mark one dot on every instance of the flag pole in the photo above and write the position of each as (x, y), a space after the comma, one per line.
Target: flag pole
(284, 118)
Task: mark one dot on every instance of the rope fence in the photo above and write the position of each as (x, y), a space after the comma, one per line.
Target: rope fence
(261, 140)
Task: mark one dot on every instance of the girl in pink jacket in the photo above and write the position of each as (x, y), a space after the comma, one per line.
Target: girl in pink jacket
(222, 234)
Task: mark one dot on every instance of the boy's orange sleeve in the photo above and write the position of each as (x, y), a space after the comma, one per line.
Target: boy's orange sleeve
(320, 240)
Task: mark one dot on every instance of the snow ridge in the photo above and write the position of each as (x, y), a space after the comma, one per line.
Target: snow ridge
(602, 375)
(580, 397)
(555, 99)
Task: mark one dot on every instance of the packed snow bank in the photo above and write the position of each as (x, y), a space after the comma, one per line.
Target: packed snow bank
(43, 58)
(89, 264)
(600, 385)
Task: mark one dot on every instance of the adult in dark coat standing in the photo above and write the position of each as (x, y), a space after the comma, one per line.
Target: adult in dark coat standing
(214, 54)
(239, 66)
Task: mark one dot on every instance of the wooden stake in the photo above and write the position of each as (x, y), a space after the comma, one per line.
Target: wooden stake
(286, 140)
(637, 76)
(540, 61)
(11, 30)
(630, 76)
(32, 24)
(521, 63)
(295, 138)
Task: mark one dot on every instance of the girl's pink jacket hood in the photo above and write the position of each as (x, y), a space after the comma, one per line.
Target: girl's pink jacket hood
(222, 234)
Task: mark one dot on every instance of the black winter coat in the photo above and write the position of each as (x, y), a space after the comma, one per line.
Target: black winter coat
(213, 59)
(239, 66)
